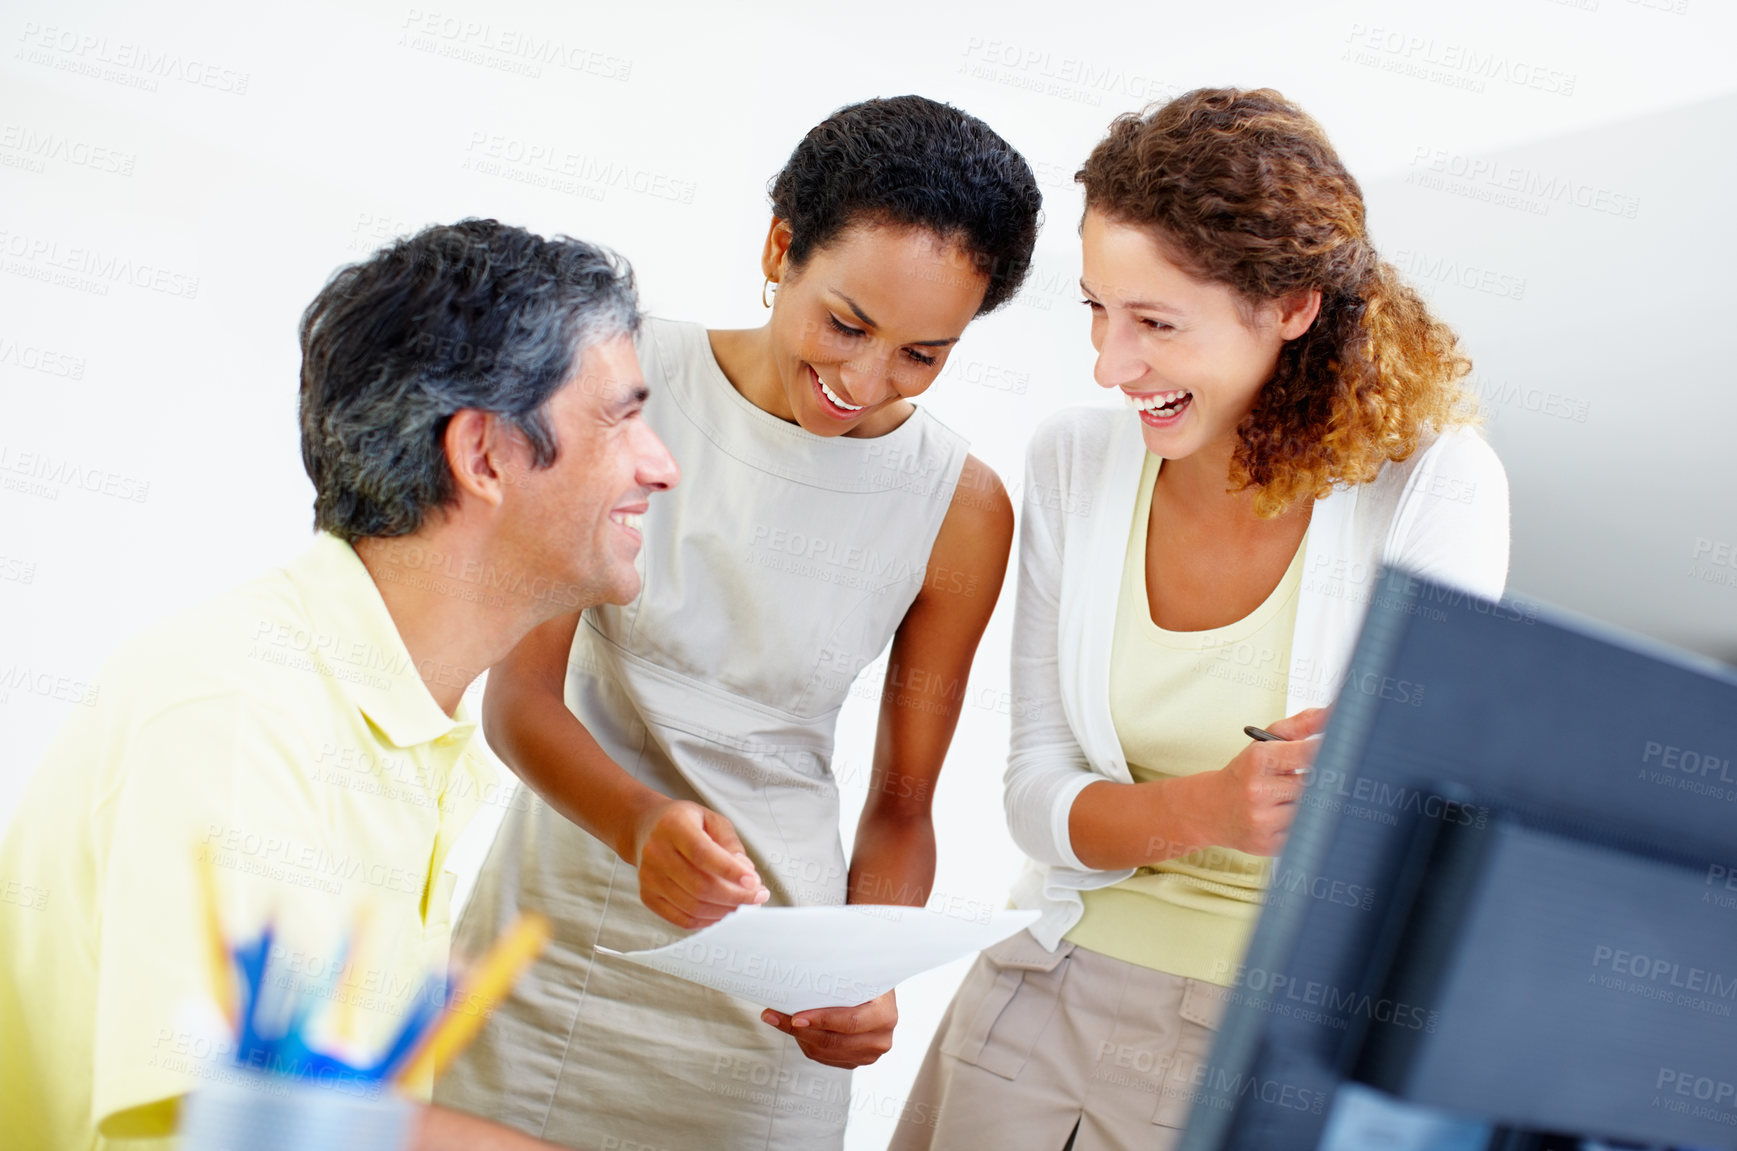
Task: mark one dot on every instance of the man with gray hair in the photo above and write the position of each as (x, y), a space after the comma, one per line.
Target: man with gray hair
(471, 420)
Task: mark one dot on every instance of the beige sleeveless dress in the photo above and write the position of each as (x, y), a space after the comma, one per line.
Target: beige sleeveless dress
(777, 569)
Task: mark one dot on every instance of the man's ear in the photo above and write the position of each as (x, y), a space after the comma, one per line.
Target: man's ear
(776, 252)
(1297, 311)
(478, 453)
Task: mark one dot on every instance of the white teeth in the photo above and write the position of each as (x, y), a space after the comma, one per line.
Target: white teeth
(628, 519)
(1151, 403)
(833, 396)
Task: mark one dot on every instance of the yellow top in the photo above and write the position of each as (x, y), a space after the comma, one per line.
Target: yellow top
(1179, 700)
(283, 733)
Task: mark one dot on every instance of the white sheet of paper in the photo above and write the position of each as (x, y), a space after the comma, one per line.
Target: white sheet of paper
(793, 958)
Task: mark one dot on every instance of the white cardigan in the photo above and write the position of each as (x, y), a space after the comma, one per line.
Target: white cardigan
(1442, 513)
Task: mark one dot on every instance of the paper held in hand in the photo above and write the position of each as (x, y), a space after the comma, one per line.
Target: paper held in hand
(794, 958)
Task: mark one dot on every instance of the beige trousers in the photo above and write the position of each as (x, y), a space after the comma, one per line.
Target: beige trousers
(1037, 1043)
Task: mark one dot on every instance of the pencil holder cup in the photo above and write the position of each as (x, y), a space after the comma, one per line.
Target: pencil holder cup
(247, 1111)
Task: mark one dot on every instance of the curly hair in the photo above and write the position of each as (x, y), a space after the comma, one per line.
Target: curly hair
(1244, 189)
(476, 314)
(908, 160)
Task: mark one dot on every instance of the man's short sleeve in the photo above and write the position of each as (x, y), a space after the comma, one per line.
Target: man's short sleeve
(208, 778)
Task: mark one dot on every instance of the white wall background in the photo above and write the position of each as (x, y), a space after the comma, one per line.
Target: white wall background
(178, 179)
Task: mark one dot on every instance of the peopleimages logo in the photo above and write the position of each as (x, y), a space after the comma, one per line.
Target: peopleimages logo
(1447, 62)
(37, 148)
(1529, 188)
(47, 684)
(579, 173)
(23, 895)
(36, 358)
(1378, 799)
(1704, 1088)
(1295, 881)
(505, 48)
(1658, 969)
(758, 971)
(1472, 277)
(45, 475)
(1279, 993)
(89, 269)
(135, 65)
(1037, 69)
(1211, 1085)
(1662, 980)
(831, 560)
(1496, 395)
(1698, 772)
(1688, 761)
(303, 864)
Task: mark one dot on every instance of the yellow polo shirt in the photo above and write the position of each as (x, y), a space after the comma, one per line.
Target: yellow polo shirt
(284, 730)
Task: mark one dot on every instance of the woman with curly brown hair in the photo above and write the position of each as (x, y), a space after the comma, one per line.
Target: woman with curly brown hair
(1185, 569)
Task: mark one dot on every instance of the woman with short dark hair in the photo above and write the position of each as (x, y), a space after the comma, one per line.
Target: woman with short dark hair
(681, 746)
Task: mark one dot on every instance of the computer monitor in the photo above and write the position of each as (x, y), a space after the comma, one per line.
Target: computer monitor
(1545, 813)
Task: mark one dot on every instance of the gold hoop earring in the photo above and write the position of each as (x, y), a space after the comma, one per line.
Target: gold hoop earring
(764, 300)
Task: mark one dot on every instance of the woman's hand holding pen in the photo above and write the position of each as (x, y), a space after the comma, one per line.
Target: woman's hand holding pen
(693, 870)
(1256, 793)
(1245, 805)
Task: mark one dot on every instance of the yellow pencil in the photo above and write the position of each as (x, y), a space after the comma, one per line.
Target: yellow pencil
(483, 989)
(217, 948)
(356, 960)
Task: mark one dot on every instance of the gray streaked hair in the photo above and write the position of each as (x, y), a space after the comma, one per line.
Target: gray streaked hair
(477, 314)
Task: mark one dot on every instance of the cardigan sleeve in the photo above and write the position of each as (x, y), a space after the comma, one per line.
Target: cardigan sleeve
(1046, 768)
(1452, 522)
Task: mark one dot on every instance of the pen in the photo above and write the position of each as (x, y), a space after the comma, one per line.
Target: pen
(1262, 735)
(482, 991)
(218, 957)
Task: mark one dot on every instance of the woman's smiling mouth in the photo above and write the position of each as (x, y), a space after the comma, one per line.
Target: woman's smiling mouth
(833, 403)
(1160, 409)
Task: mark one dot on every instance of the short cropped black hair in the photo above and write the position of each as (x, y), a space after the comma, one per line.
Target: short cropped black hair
(908, 160)
(477, 314)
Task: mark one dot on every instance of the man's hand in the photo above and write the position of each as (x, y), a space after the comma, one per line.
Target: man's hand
(693, 870)
(842, 1036)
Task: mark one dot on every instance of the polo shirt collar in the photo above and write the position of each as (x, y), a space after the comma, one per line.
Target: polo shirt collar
(359, 647)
